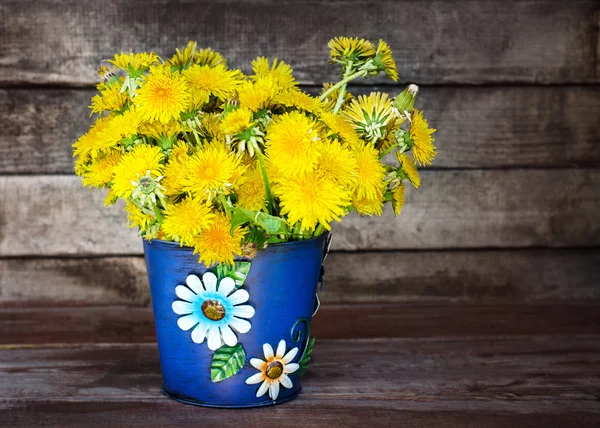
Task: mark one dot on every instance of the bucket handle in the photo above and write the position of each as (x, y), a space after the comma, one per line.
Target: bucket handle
(322, 273)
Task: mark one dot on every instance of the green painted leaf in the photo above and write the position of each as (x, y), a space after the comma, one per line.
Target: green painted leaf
(305, 359)
(227, 361)
(238, 272)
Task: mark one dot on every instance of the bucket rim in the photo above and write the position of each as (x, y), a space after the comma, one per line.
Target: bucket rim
(277, 244)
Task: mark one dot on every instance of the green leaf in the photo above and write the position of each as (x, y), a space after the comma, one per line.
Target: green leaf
(271, 224)
(305, 359)
(226, 362)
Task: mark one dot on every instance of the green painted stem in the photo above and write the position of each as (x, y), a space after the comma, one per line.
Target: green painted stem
(263, 170)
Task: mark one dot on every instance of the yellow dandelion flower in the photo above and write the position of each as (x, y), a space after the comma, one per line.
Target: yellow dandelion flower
(336, 163)
(410, 169)
(209, 57)
(183, 58)
(280, 71)
(259, 94)
(298, 99)
(135, 164)
(159, 130)
(343, 49)
(101, 172)
(384, 60)
(369, 206)
(290, 143)
(138, 218)
(162, 97)
(398, 199)
(370, 173)
(117, 128)
(109, 99)
(209, 128)
(218, 244)
(134, 63)
(251, 190)
(338, 127)
(211, 169)
(81, 164)
(370, 116)
(110, 198)
(420, 133)
(236, 121)
(312, 199)
(86, 144)
(205, 81)
(186, 219)
(176, 169)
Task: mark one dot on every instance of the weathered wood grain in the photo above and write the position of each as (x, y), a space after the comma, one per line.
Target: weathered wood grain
(457, 276)
(63, 41)
(530, 375)
(478, 127)
(30, 324)
(53, 215)
(314, 412)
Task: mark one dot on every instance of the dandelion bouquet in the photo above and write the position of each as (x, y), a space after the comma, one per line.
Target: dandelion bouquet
(228, 163)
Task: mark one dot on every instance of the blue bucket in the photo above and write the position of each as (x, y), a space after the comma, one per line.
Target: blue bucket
(269, 315)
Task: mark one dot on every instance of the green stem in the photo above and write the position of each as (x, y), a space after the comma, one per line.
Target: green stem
(224, 203)
(359, 73)
(340, 99)
(158, 215)
(319, 230)
(389, 149)
(263, 171)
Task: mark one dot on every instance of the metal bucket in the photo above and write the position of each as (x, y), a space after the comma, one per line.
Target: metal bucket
(281, 288)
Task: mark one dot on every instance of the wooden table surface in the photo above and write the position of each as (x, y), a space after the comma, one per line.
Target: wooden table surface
(400, 365)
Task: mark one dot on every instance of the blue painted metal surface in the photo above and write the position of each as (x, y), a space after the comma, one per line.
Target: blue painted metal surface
(282, 285)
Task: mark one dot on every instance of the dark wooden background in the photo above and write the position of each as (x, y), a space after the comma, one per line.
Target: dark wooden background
(509, 212)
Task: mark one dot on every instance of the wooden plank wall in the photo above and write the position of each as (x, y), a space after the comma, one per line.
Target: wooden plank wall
(509, 212)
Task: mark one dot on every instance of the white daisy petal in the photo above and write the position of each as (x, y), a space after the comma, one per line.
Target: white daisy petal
(257, 363)
(210, 281)
(291, 368)
(226, 286)
(240, 325)
(255, 378)
(229, 336)
(274, 390)
(286, 381)
(188, 321)
(185, 293)
(289, 356)
(199, 333)
(280, 349)
(194, 283)
(263, 389)
(268, 351)
(243, 311)
(182, 308)
(214, 338)
(240, 296)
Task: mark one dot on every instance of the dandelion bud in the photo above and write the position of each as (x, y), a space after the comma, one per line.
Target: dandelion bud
(405, 101)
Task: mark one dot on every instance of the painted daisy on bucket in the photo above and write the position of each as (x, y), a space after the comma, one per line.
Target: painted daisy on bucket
(274, 370)
(215, 313)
